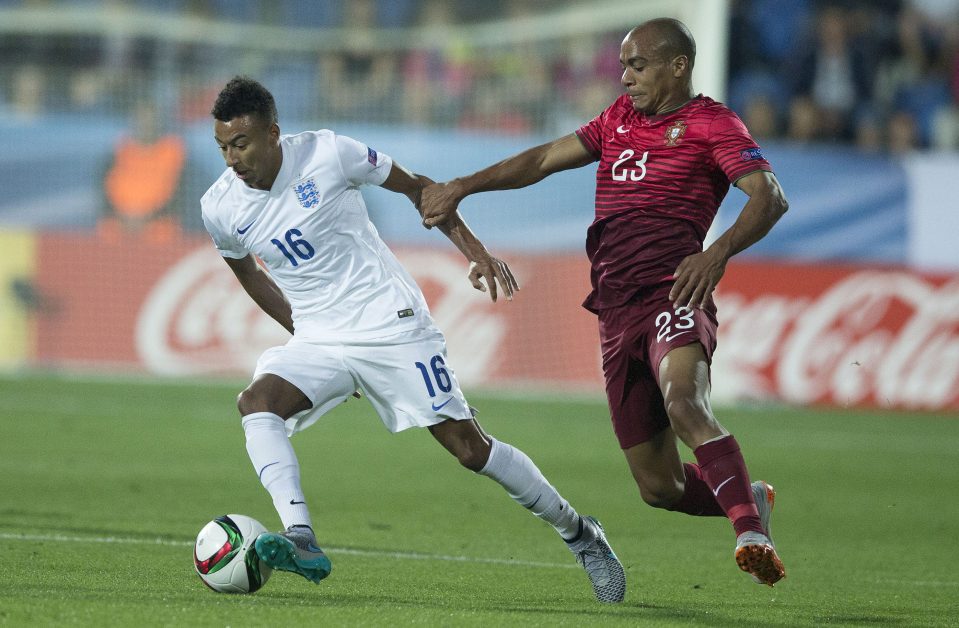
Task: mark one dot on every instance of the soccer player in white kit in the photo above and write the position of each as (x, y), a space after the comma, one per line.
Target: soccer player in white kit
(358, 319)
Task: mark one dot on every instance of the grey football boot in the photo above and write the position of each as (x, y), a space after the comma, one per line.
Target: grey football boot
(294, 550)
(605, 572)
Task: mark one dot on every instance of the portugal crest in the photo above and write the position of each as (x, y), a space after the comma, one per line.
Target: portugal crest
(307, 194)
(675, 132)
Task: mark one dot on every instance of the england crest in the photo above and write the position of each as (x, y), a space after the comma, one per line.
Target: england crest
(307, 194)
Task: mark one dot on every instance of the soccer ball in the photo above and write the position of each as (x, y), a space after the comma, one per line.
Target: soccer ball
(224, 556)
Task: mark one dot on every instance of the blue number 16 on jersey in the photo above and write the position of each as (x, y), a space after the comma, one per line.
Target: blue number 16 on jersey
(303, 249)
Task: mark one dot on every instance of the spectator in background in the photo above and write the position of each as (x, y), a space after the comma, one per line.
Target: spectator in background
(27, 91)
(870, 134)
(832, 74)
(902, 133)
(142, 183)
(803, 123)
(358, 82)
(437, 78)
(761, 118)
(902, 79)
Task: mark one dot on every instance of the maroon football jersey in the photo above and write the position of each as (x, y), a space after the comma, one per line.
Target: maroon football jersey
(658, 186)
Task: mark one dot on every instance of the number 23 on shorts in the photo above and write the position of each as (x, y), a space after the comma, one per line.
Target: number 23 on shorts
(676, 323)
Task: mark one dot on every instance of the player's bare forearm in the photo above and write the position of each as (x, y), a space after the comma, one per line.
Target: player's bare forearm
(261, 288)
(521, 170)
(697, 275)
(482, 263)
(463, 238)
(406, 182)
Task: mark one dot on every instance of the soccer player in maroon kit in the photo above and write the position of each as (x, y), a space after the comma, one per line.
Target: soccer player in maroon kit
(666, 159)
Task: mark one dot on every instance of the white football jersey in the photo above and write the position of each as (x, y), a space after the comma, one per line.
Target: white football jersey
(313, 233)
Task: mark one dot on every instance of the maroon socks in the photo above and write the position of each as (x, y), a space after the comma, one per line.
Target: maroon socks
(720, 484)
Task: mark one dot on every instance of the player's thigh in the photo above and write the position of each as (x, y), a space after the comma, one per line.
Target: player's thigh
(669, 328)
(409, 380)
(635, 404)
(316, 370)
(684, 375)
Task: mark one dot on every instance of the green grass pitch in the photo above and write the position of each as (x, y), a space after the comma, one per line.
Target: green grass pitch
(104, 485)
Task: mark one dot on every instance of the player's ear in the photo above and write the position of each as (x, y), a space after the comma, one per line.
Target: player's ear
(680, 65)
(274, 131)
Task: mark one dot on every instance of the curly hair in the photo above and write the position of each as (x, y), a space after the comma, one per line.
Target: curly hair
(242, 96)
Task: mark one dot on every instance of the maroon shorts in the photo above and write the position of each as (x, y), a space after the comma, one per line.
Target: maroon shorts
(634, 338)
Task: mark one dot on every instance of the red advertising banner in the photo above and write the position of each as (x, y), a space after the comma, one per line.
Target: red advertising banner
(842, 335)
(845, 335)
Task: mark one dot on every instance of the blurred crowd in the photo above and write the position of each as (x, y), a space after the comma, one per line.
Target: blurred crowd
(880, 74)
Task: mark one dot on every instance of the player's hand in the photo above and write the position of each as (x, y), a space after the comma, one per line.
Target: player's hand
(438, 203)
(695, 279)
(494, 271)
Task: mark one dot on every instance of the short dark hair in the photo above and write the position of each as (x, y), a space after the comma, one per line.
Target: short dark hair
(675, 38)
(243, 96)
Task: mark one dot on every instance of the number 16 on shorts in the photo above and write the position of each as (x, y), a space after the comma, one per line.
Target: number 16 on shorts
(436, 376)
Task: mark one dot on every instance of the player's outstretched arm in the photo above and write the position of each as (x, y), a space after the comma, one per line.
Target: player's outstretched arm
(482, 264)
(440, 200)
(262, 290)
(697, 275)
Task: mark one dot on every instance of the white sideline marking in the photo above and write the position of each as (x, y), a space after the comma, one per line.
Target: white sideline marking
(61, 538)
(921, 583)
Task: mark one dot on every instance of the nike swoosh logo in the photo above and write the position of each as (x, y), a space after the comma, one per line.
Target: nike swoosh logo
(265, 468)
(677, 334)
(622, 129)
(536, 501)
(293, 503)
(438, 407)
(721, 485)
(246, 228)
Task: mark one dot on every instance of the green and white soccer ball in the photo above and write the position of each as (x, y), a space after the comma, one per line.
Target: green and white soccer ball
(224, 557)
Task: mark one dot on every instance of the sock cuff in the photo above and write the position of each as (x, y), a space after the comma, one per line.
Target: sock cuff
(496, 454)
(692, 471)
(264, 417)
(711, 450)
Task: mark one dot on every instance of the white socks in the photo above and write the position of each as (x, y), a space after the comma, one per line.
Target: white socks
(275, 462)
(526, 484)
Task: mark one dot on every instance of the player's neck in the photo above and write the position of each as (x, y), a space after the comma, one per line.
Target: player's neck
(270, 179)
(674, 104)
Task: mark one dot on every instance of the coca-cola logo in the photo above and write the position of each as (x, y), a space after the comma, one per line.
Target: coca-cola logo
(198, 319)
(873, 337)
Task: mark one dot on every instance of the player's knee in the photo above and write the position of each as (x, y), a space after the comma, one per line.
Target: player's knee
(250, 401)
(661, 495)
(687, 415)
(472, 458)
(472, 455)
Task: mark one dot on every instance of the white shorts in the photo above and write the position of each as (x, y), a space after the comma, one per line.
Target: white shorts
(405, 377)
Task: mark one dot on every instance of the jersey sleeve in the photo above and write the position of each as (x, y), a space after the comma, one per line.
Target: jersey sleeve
(223, 238)
(360, 163)
(591, 134)
(733, 149)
